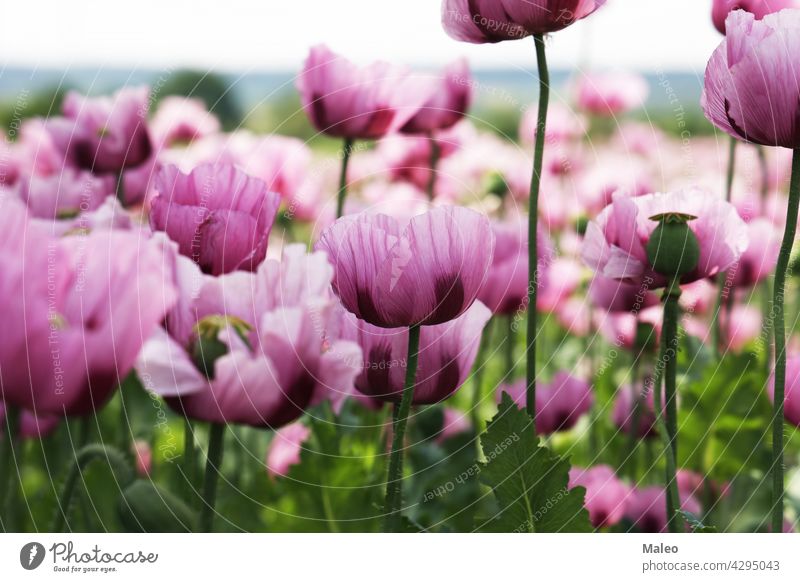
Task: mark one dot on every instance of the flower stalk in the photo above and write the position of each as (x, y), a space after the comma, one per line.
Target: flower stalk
(779, 327)
(342, 195)
(216, 439)
(533, 218)
(392, 507)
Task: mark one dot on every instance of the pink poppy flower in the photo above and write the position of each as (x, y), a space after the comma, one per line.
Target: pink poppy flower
(740, 326)
(611, 94)
(428, 273)
(64, 195)
(104, 134)
(482, 21)
(618, 297)
(606, 495)
(623, 414)
(35, 151)
(408, 157)
(761, 255)
(559, 403)
(74, 315)
(446, 354)
(621, 328)
(285, 448)
(454, 423)
(751, 79)
(647, 509)
(564, 277)
(791, 406)
(220, 217)
(179, 121)
(450, 95)
(274, 338)
(9, 167)
(563, 125)
(344, 100)
(759, 8)
(615, 242)
(143, 456)
(506, 288)
(699, 297)
(31, 425)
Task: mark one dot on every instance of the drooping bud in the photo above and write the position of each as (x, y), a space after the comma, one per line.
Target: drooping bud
(673, 249)
(207, 347)
(148, 508)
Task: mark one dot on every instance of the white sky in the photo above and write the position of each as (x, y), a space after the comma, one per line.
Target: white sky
(276, 34)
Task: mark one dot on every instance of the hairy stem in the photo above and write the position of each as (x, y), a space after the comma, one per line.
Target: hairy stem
(123, 474)
(392, 508)
(533, 217)
(434, 164)
(779, 326)
(216, 440)
(348, 149)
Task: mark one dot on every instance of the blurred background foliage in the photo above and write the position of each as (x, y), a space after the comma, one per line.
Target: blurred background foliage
(269, 103)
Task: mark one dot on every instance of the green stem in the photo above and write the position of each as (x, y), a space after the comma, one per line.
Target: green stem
(216, 439)
(766, 316)
(724, 286)
(667, 430)
(124, 425)
(636, 418)
(8, 466)
(85, 429)
(766, 291)
(731, 169)
(779, 325)
(671, 316)
(120, 187)
(477, 378)
(434, 164)
(764, 167)
(189, 459)
(511, 340)
(533, 218)
(392, 507)
(348, 149)
(116, 460)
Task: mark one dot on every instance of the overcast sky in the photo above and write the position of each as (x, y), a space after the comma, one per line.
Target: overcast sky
(276, 34)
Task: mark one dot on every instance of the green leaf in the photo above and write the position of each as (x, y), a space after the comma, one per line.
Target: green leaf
(724, 419)
(339, 480)
(530, 482)
(694, 523)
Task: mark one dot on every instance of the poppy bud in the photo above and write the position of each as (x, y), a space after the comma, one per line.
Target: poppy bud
(673, 249)
(145, 507)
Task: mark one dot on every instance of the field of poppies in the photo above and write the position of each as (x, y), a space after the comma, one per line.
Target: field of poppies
(430, 327)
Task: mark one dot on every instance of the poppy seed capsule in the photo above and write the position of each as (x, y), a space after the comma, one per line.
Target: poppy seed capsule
(673, 249)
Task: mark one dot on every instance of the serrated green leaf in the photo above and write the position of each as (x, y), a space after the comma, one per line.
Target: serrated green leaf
(530, 482)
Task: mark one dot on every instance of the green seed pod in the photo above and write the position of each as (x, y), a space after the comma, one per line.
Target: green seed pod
(673, 249)
(205, 352)
(207, 348)
(147, 508)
